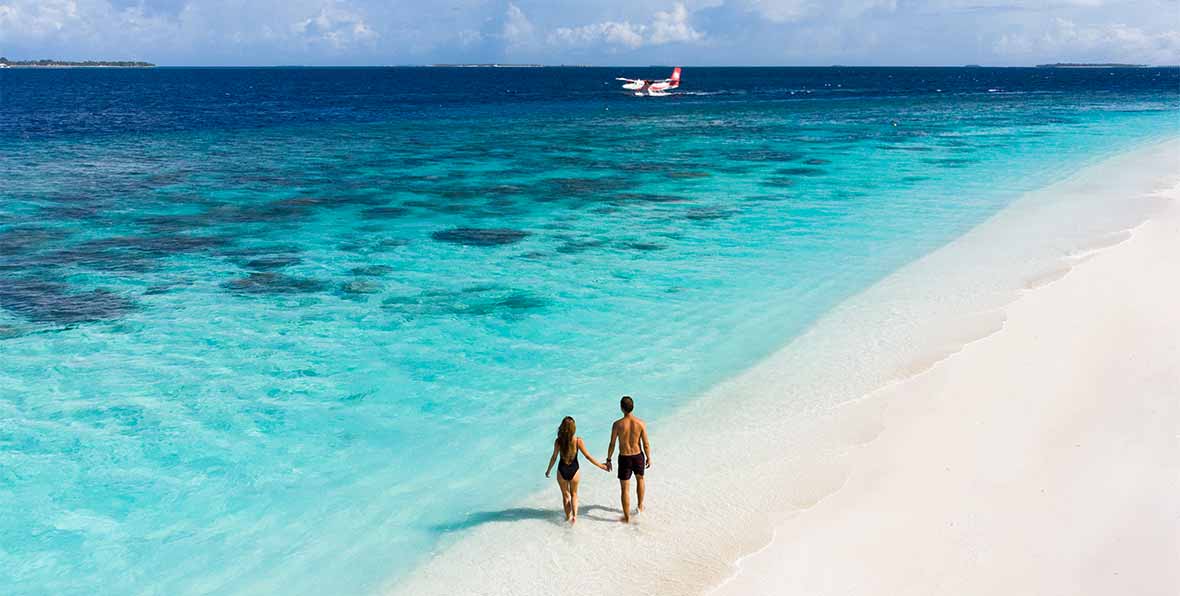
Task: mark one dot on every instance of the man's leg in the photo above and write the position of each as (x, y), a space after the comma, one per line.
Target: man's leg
(639, 490)
(625, 487)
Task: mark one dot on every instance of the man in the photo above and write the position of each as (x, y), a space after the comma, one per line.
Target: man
(631, 433)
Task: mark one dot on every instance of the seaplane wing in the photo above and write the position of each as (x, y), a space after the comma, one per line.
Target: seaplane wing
(657, 88)
(632, 84)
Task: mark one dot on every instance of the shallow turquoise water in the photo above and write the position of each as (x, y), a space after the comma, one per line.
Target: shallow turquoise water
(294, 355)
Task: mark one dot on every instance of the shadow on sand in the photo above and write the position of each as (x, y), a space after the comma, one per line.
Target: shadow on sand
(554, 516)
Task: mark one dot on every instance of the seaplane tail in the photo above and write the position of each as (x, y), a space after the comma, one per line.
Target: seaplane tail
(656, 88)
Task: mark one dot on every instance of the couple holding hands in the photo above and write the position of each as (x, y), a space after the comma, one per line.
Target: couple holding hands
(634, 458)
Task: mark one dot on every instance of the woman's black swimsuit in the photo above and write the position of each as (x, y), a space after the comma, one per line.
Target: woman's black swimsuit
(568, 471)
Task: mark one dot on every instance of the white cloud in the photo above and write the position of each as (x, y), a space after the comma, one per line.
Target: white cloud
(34, 19)
(782, 11)
(336, 26)
(666, 27)
(790, 11)
(1066, 40)
(851, 9)
(517, 30)
(40, 19)
(738, 31)
(114, 29)
(1029, 5)
(73, 28)
(673, 27)
(610, 32)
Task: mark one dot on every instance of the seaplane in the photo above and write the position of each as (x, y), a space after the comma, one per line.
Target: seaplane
(658, 88)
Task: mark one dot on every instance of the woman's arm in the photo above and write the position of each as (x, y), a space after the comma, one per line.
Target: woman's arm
(582, 448)
(552, 458)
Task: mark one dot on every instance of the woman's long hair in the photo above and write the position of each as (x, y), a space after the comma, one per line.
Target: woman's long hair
(565, 437)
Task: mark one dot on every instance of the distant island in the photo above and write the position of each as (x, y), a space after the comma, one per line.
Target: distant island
(485, 65)
(1090, 65)
(6, 63)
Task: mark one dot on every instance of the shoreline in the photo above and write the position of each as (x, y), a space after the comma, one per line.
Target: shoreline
(787, 444)
(1056, 463)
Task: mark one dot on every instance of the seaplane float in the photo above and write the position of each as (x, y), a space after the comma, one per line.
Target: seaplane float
(658, 88)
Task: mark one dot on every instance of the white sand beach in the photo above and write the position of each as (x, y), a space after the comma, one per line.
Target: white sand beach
(1042, 459)
(999, 417)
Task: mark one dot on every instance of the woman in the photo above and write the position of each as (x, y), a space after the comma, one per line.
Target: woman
(567, 445)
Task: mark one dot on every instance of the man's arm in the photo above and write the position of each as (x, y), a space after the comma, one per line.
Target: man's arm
(646, 445)
(614, 434)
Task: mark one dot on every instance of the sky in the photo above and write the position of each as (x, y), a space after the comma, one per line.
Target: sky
(603, 32)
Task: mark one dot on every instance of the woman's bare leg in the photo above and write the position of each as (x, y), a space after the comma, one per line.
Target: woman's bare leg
(573, 515)
(565, 495)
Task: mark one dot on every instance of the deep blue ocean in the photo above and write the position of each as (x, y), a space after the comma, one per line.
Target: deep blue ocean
(281, 330)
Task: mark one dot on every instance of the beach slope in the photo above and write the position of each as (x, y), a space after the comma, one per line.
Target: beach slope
(1042, 459)
(997, 417)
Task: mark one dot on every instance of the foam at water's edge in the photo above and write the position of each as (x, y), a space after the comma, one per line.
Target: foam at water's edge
(773, 439)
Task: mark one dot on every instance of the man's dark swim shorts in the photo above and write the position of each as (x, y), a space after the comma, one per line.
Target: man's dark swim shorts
(629, 464)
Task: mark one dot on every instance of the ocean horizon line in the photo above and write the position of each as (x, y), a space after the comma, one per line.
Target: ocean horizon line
(1061, 66)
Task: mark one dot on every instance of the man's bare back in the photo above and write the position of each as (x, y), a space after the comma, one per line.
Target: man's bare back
(630, 430)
